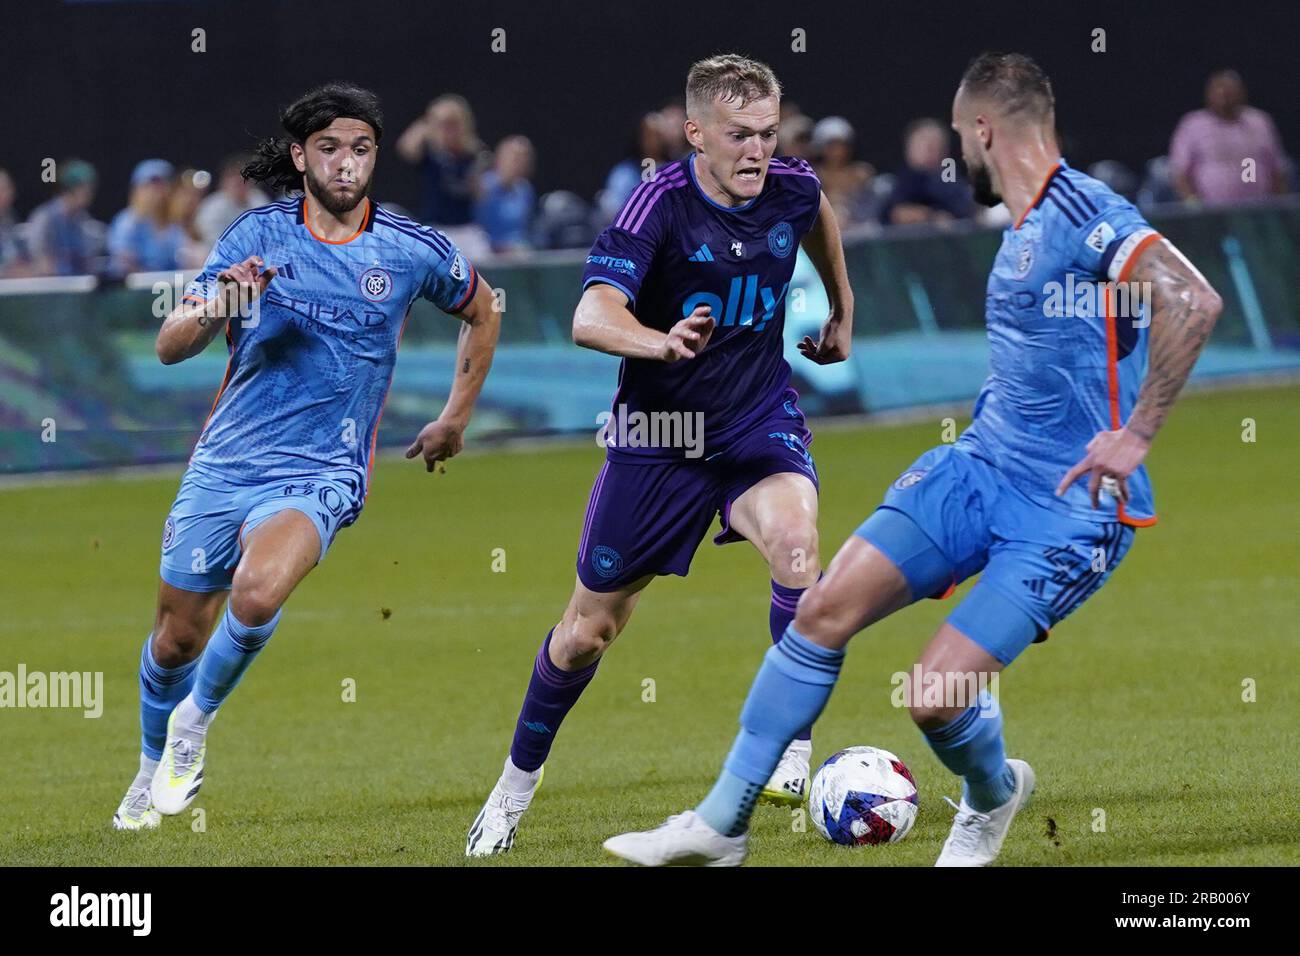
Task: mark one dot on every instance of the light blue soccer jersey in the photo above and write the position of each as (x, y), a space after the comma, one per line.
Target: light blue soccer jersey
(1068, 350)
(310, 369)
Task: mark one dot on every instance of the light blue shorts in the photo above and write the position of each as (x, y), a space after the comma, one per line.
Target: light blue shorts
(204, 533)
(951, 515)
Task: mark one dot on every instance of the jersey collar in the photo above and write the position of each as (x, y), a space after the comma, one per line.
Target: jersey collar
(1056, 170)
(690, 168)
(367, 224)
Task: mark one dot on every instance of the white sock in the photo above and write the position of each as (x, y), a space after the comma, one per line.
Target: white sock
(803, 747)
(521, 782)
(191, 722)
(145, 774)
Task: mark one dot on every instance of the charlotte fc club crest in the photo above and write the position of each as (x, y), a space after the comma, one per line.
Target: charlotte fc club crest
(376, 284)
(780, 240)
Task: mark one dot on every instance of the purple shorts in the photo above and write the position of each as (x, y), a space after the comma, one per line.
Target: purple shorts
(649, 518)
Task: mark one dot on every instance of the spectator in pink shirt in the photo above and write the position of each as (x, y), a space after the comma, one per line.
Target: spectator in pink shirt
(1208, 154)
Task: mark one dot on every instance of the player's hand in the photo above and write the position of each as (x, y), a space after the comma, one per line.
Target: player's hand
(438, 441)
(1111, 458)
(688, 337)
(834, 344)
(244, 282)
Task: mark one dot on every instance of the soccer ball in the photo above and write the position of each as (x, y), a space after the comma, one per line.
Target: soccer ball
(863, 795)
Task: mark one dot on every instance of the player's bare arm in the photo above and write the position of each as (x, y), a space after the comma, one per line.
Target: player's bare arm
(189, 327)
(444, 438)
(1183, 309)
(826, 250)
(604, 323)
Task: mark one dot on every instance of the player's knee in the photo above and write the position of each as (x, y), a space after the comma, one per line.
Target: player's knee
(821, 618)
(929, 715)
(792, 553)
(253, 600)
(578, 641)
(177, 640)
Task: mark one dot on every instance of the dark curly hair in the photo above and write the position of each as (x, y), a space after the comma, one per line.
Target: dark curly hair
(272, 164)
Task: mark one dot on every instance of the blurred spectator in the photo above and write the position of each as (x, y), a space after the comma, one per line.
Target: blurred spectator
(564, 221)
(672, 125)
(506, 198)
(1157, 187)
(445, 146)
(845, 181)
(1115, 175)
(925, 189)
(187, 192)
(61, 236)
(13, 251)
(648, 143)
(1210, 145)
(140, 237)
(795, 136)
(234, 195)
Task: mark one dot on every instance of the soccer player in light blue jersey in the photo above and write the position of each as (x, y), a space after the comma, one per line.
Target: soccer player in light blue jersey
(1040, 495)
(312, 293)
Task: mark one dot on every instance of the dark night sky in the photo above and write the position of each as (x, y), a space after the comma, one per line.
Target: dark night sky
(116, 82)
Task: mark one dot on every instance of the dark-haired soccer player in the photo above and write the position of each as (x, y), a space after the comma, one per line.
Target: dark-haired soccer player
(1071, 406)
(688, 285)
(312, 293)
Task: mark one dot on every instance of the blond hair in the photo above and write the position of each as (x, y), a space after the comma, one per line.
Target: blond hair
(728, 76)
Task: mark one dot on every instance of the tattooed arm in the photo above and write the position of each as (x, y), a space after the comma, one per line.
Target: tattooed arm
(1183, 308)
(189, 327)
(444, 438)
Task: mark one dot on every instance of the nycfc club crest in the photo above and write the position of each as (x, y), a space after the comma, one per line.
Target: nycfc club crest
(908, 478)
(169, 532)
(376, 284)
(780, 240)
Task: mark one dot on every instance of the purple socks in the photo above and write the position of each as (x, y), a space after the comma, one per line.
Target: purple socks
(551, 694)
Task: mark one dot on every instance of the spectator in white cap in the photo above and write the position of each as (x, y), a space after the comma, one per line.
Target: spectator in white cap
(141, 238)
(845, 181)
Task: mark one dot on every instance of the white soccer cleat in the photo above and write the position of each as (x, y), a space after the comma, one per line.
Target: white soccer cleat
(684, 840)
(494, 828)
(977, 837)
(180, 772)
(136, 811)
(789, 783)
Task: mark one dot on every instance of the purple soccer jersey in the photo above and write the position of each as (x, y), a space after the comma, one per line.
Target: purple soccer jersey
(672, 249)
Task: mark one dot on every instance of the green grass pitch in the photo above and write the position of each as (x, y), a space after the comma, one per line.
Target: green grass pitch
(1133, 709)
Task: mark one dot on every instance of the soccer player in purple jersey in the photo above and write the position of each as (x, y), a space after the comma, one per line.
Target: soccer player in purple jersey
(688, 286)
(1040, 496)
(312, 293)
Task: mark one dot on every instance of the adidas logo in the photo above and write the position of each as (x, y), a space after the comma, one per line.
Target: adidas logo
(284, 272)
(702, 254)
